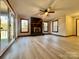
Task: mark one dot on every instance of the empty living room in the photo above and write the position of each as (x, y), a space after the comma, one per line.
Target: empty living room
(39, 29)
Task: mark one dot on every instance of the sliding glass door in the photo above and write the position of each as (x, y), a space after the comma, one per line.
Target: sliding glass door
(7, 26)
(4, 25)
(4, 30)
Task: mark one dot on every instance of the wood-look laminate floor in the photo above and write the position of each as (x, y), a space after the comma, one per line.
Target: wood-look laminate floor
(44, 47)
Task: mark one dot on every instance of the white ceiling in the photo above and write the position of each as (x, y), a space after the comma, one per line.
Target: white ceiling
(3, 6)
(30, 8)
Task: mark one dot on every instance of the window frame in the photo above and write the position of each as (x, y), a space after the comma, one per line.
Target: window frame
(47, 26)
(57, 26)
(21, 26)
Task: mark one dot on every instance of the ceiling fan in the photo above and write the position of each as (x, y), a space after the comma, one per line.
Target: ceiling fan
(51, 8)
(47, 11)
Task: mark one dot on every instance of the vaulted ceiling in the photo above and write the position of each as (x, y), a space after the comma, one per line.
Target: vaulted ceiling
(30, 8)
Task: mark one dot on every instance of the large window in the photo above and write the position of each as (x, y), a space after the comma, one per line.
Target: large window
(24, 25)
(55, 26)
(45, 26)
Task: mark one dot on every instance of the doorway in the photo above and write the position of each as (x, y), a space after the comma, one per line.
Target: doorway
(77, 27)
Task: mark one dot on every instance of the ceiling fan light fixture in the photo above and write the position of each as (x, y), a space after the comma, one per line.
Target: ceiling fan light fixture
(48, 9)
(46, 13)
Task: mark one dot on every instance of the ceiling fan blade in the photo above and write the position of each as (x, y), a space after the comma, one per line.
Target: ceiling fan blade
(42, 10)
(38, 13)
(51, 12)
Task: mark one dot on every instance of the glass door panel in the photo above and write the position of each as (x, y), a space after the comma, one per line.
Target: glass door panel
(7, 26)
(0, 26)
(12, 26)
(4, 35)
(4, 31)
